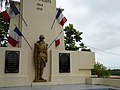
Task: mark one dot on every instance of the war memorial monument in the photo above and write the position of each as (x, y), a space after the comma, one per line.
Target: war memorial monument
(40, 65)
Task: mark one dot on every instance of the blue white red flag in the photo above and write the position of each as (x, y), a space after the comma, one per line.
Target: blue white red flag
(14, 37)
(61, 18)
(7, 14)
(14, 9)
(10, 12)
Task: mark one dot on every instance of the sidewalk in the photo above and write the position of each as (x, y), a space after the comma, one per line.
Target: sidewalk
(63, 87)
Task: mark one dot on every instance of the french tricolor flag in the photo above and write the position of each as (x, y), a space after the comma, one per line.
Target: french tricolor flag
(10, 12)
(61, 18)
(7, 14)
(14, 37)
(14, 9)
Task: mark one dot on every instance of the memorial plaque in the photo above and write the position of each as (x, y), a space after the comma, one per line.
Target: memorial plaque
(12, 62)
(64, 62)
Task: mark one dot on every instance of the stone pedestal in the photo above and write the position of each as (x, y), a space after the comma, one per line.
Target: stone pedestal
(37, 81)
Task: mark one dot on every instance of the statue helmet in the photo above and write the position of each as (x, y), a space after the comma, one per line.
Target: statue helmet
(41, 37)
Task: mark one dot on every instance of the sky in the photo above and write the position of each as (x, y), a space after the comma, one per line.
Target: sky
(99, 20)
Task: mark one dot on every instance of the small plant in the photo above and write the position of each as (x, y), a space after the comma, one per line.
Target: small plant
(100, 70)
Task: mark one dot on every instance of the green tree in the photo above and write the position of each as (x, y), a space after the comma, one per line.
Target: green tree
(73, 39)
(100, 70)
(115, 72)
(4, 28)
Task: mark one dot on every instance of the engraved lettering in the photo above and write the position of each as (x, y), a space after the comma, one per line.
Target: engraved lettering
(39, 4)
(47, 1)
(38, 8)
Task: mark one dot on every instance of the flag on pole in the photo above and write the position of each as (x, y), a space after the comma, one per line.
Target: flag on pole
(10, 12)
(14, 37)
(61, 18)
(57, 42)
(6, 15)
(14, 9)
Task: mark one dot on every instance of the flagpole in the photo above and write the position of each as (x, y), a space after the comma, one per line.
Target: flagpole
(53, 24)
(57, 16)
(16, 11)
(24, 20)
(54, 39)
(27, 41)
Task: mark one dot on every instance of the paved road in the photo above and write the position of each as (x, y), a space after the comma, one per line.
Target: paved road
(63, 87)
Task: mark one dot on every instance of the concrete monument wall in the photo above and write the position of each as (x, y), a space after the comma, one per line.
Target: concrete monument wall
(81, 64)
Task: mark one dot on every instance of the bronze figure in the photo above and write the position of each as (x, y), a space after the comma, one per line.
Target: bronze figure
(40, 58)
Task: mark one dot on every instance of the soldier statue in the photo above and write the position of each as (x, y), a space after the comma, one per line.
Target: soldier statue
(40, 58)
